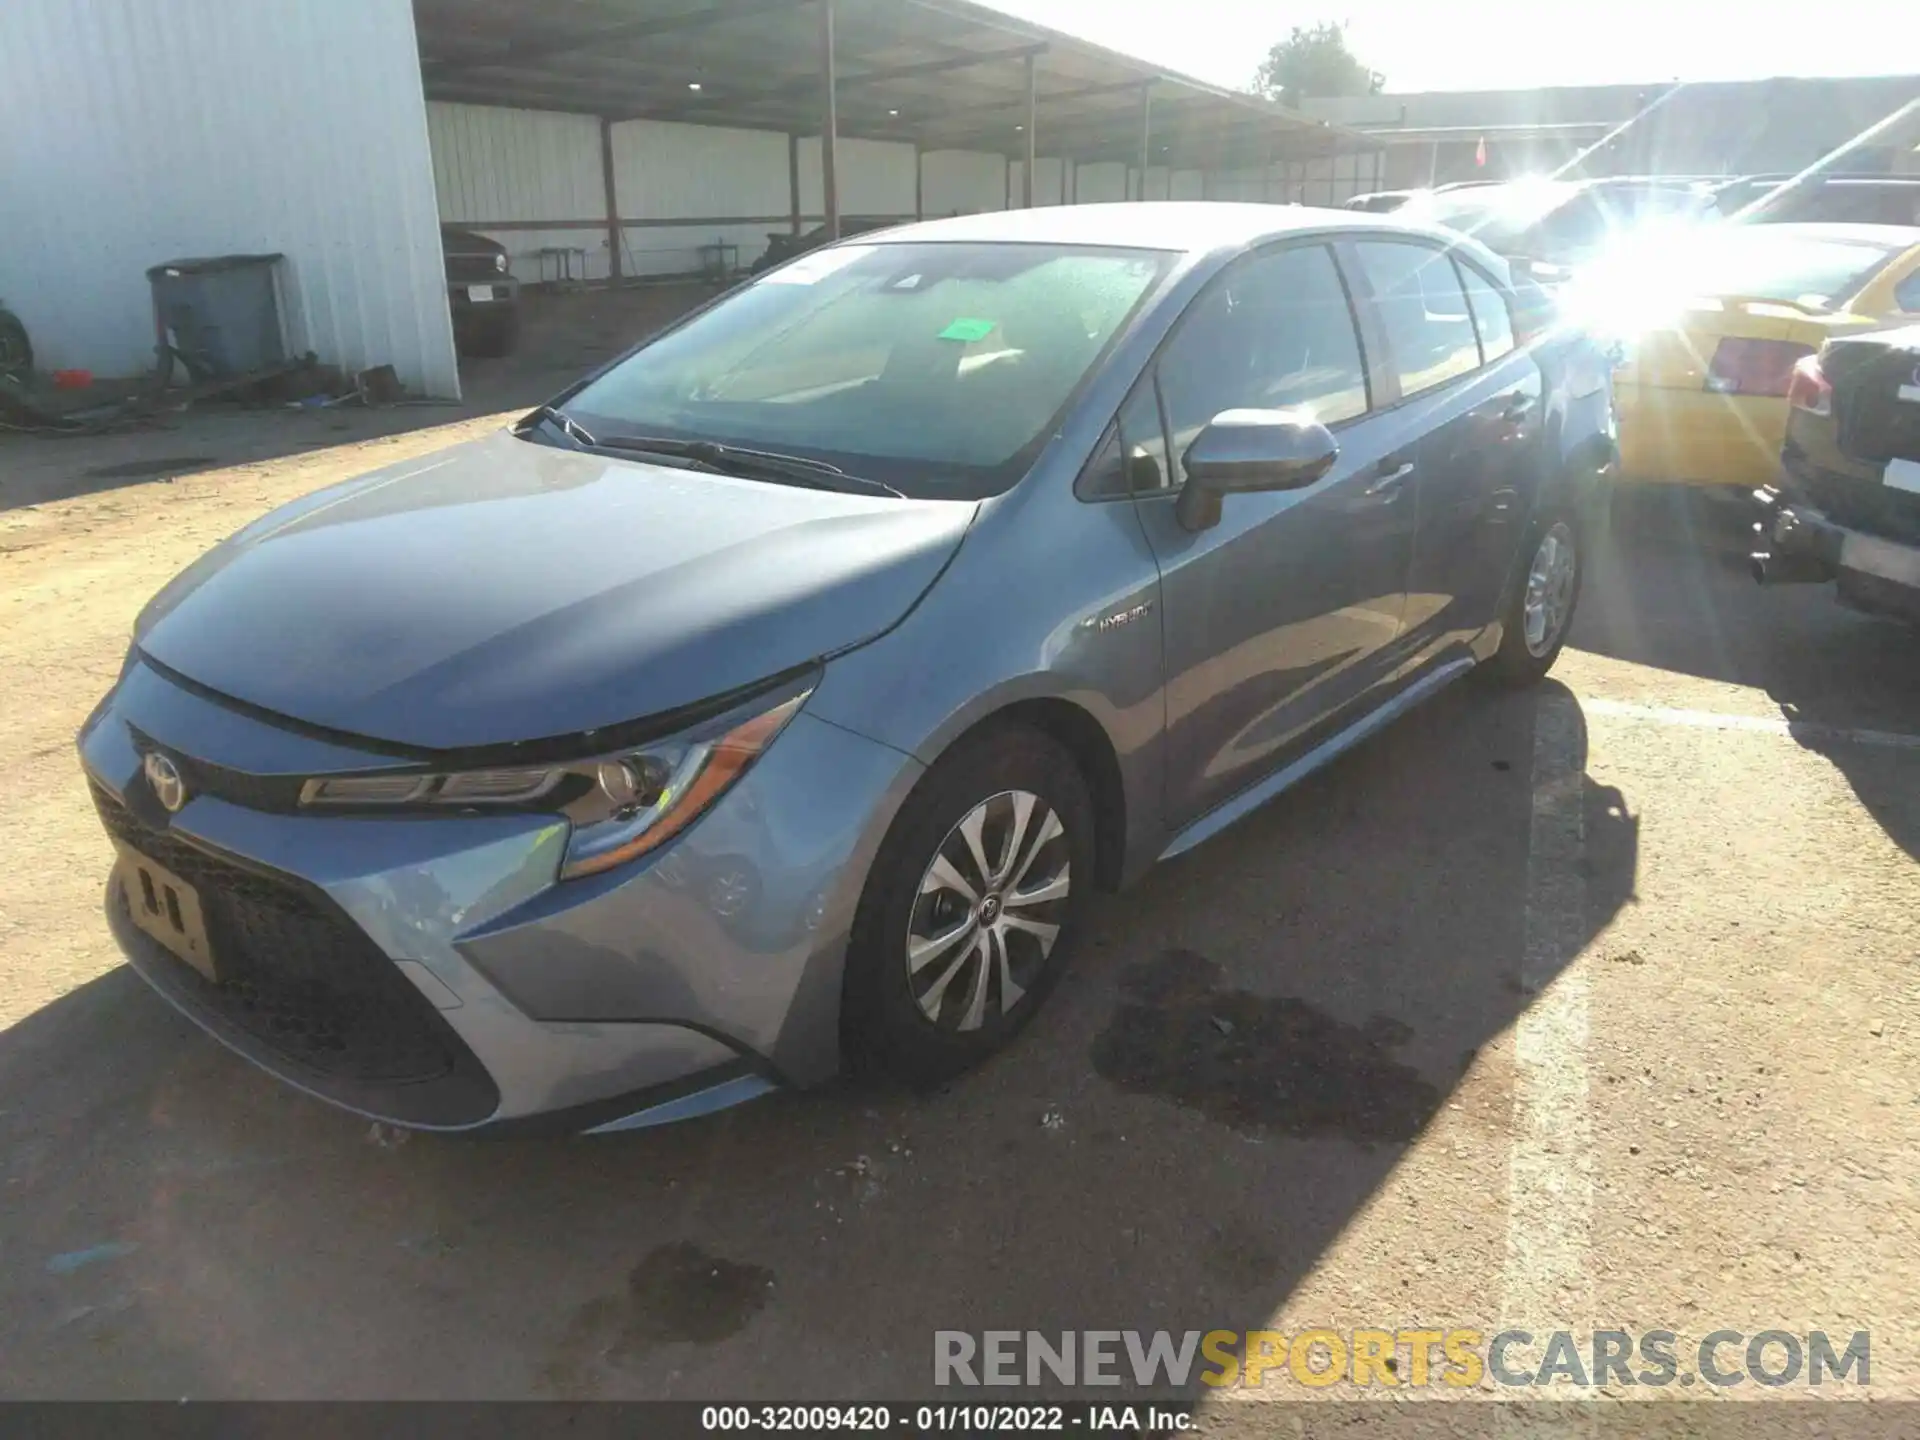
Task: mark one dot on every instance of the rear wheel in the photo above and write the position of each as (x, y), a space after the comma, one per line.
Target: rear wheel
(1540, 610)
(972, 907)
(492, 334)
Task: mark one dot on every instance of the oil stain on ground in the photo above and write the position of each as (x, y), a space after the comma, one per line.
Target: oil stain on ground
(1258, 1062)
(677, 1294)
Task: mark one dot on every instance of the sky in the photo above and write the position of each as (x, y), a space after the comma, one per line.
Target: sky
(1499, 44)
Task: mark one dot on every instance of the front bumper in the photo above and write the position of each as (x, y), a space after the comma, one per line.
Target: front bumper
(1698, 438)
(472, 299)
(431, 972)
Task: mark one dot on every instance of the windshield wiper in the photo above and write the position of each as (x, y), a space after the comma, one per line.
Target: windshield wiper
(753, 464)
(560, 420)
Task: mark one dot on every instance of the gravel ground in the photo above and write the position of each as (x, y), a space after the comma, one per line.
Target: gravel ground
(1587, 1008)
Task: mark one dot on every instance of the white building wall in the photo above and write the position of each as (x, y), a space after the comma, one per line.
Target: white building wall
(499, 171)
(964, 182)
(875, 177)
(1104, 182)
(1252, 184)
(1048, 175)
(138, 131)
(731, 186)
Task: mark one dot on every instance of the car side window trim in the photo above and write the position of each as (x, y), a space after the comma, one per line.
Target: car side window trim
(1473, 316)
(1391, 372)
(1371, 379)
(1467, 267)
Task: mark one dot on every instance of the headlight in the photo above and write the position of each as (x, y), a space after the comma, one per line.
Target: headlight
(500, 263)
(621, 805)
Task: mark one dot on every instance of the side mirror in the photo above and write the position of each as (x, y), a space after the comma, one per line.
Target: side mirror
(1250, 450)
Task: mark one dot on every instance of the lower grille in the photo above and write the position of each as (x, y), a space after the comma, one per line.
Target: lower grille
(296, 974)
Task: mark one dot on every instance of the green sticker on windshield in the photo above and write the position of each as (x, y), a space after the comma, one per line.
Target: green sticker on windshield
(967, 330)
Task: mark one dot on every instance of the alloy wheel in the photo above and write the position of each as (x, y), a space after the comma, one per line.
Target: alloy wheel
(988, 911)
(1548, 601)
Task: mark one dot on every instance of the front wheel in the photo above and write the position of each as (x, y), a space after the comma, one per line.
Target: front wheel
(972, 907)
(1540, 611)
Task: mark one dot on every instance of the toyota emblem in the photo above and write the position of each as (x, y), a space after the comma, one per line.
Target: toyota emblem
(163, 777)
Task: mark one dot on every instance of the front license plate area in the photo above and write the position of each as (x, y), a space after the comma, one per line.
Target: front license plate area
(168, 909)
(479, 292)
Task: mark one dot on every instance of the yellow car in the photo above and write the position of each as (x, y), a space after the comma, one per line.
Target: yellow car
(1702, 396)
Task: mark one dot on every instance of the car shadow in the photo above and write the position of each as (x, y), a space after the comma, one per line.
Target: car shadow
(564, 335)
(1670, 588)
(1250, 1043)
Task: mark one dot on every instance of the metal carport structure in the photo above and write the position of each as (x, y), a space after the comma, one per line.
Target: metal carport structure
(940, 75)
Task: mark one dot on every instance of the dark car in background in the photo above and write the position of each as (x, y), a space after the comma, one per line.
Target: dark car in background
(483, 294)
(1548, 229)
(1847, 507)
(1381, 202)
(1839, 199)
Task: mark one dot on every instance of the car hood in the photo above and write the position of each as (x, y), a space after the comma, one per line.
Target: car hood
(506, 591)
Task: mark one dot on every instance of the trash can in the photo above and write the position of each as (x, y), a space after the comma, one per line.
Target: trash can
(218, 315)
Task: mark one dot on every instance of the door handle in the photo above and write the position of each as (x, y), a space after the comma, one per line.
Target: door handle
(1392, 475)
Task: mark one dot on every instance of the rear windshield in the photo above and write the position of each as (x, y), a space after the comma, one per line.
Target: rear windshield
(940, 369)
(1767, 263)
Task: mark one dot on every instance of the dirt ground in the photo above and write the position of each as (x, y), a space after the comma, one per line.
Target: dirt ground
(1593, 1007)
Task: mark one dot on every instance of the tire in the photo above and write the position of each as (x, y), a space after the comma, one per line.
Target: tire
(1548, 584)
(924, 1025)
(16, 351)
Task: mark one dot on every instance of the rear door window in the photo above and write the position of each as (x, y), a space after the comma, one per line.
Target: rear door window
(1490, 314)
(1430, 330)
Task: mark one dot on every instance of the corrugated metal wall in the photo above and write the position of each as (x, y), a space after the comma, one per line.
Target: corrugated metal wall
(734, 181)
(875, 177)
(1107, 181)
(963, 182)
(532, 179)
(138, 131)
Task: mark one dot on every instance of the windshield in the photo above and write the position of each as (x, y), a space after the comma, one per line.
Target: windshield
(937, 368)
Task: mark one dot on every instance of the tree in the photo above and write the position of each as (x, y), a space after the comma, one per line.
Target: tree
(1314, 61)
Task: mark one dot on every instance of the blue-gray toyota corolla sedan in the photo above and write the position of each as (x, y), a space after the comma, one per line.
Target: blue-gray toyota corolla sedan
(781, 694)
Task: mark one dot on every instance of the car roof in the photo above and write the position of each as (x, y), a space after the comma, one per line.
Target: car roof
(1194, 227)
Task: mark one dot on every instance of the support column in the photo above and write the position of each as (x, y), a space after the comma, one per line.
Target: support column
(1006, 182)
(793, 179)
(1026, 185)
(919, 182)
(830, 126)
(616, 236)
(1146, 136)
